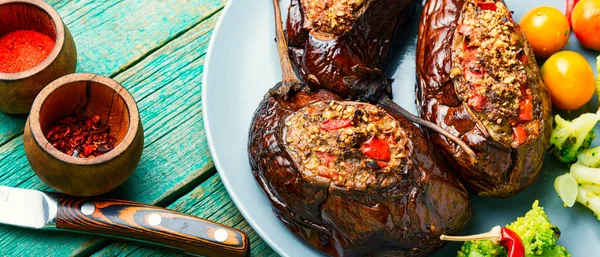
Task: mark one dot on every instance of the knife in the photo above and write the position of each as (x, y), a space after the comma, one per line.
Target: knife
(120, 219)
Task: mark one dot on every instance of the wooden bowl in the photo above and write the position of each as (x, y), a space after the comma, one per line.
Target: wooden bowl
(18, 90)
(97, 95)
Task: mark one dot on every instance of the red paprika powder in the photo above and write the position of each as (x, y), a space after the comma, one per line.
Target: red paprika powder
(22, 49)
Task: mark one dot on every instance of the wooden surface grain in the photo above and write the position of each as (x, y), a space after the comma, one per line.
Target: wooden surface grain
(156, 49)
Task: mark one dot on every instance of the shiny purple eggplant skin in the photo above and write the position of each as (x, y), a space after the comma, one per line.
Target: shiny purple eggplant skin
(499, 171)
(401, 219)
(325, 62)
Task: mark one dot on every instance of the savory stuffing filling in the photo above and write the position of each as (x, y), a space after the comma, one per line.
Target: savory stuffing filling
(490, 72)
(355, 145)
(332, 16)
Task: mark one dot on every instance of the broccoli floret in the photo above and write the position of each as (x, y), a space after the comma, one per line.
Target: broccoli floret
(569, 138)
(481, 248)
(558, 251)
(535, 230)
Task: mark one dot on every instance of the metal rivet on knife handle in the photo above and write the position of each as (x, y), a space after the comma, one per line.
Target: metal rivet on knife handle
(154, 219)
(221, 235)
(87, 208)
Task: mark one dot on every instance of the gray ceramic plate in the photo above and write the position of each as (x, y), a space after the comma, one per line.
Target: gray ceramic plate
(242, 64)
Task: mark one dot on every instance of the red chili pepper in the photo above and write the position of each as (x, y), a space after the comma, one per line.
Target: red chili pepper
(377, 149)
(570, 5)
(487, 6)
(525, 110)
(520, 134)
(512, 242)
(502, 236)
(336, 124)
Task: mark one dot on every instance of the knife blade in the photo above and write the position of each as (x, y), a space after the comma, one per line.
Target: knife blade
(120, 219)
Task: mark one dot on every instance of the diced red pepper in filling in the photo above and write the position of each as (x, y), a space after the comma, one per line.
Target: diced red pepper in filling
(522, 56)
(336, 124)
(487, 6)
(377, 149)
(382, 164)
(520, 134)
(323, 171)
(473, 76)
(472, 67)
(390, 139)
(465, 30)
(476, 101)
(525, 110)
(326, 157)
(334, 176)
(523, 88)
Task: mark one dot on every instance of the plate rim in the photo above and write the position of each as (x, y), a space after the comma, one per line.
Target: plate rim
(255, 221)
(209, 137)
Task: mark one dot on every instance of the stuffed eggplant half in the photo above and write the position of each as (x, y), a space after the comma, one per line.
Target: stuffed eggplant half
(329, 39)
(477, 78)
(351, 178)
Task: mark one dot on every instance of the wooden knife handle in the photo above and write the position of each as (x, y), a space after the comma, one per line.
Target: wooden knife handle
(150, 224)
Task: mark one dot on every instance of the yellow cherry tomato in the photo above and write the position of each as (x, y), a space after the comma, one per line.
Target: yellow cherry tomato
(547, 30)
(569, 78)
(585, 19)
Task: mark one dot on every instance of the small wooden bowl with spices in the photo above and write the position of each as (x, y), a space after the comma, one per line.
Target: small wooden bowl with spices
(84, 136)
(35, 48)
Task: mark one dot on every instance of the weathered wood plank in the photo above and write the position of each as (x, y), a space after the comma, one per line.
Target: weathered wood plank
(167, 86)
(10, 127)
(210, 201)
(113, 35)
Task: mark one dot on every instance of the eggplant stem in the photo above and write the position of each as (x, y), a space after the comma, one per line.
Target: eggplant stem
(288, 74)
(495, 235)
(387, 102)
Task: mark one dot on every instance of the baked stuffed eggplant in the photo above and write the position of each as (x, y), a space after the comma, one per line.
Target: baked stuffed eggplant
(351, 178)
(477, 77)
(329, 39)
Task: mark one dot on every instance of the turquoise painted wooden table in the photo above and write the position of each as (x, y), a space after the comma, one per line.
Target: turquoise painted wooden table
(156, 49)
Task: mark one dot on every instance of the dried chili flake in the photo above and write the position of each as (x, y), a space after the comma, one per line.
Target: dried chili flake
(80, 136)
